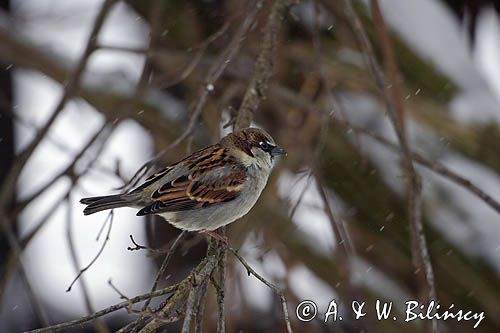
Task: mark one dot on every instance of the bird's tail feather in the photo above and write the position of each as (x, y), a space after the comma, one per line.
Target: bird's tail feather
(97, 204)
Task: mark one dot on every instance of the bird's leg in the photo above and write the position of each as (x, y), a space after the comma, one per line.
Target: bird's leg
(216, 236)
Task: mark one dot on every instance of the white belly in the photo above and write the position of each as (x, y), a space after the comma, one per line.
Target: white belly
(218, 215)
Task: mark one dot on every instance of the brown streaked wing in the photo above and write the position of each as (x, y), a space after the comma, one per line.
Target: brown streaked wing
(197, 155)
(152, 179)
(213, 179)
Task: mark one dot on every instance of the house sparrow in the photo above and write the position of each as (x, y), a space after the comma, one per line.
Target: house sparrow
(206, 190)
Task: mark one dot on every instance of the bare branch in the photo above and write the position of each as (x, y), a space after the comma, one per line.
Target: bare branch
(99, 325)
(122, 295)
(159, 274)
(278, 291)
(200, 307)
(101, 135)
(165, 262)
(264, 66)
(190, 306)
(200, 50)
(71, 87)
(137, 245)
(394, 100)
(213, 74)
(198, 277)
(435, 166)
(219, 284)
(109, 219)
(107, 310)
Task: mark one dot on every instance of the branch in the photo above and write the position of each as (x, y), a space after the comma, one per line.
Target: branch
(394, 100)
(107, 310)
(165, 263)
(213, 74)
(109, 219)
(200, 307)
(99, 325)
(198, 277)
(159, 274)
(70, 172)
(264, 66)
(102, 135)
(219, 284)
(278, 291)
(71, 86)
(190, 306)
(200, 50)
(435, 166)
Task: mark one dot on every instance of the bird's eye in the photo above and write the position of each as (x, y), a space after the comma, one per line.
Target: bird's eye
(265, 146)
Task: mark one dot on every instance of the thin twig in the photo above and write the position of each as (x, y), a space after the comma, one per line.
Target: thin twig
(13, 258)
(70, 88)
(120, 48)
(165, 263)
(74, 180)
(158, 276)
(296, 205)
(278, 291)
(107, 310)
(99, 325)
(38, 226)
(137, 246)
(63, 147)
(338, 227)
(122, 295)
(434, 166)
(152, 251)
(109, 219)
(200, 50)
(364, 42)
(102, 135)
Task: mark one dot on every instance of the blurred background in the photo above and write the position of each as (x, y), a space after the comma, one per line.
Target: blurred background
(91, 90)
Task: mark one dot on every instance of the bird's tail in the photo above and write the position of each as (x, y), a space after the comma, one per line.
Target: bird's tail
(96, 204)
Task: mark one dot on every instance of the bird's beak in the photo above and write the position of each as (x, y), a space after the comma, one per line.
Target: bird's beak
(277, 150)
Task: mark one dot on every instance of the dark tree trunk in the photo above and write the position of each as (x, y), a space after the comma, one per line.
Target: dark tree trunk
(6, 131)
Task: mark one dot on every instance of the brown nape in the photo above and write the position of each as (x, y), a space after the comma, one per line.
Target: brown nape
(246, 139)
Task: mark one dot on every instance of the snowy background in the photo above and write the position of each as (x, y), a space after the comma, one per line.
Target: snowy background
(62, 28)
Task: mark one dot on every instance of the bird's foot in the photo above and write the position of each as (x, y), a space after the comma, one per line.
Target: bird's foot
(217, 236)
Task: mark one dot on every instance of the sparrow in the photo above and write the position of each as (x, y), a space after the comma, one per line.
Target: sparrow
(208, 189)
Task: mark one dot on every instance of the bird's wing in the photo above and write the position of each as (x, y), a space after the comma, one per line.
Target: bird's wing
(208, 177)
(172, 171)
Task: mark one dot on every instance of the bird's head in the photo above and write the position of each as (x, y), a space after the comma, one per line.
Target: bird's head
(253, 146)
